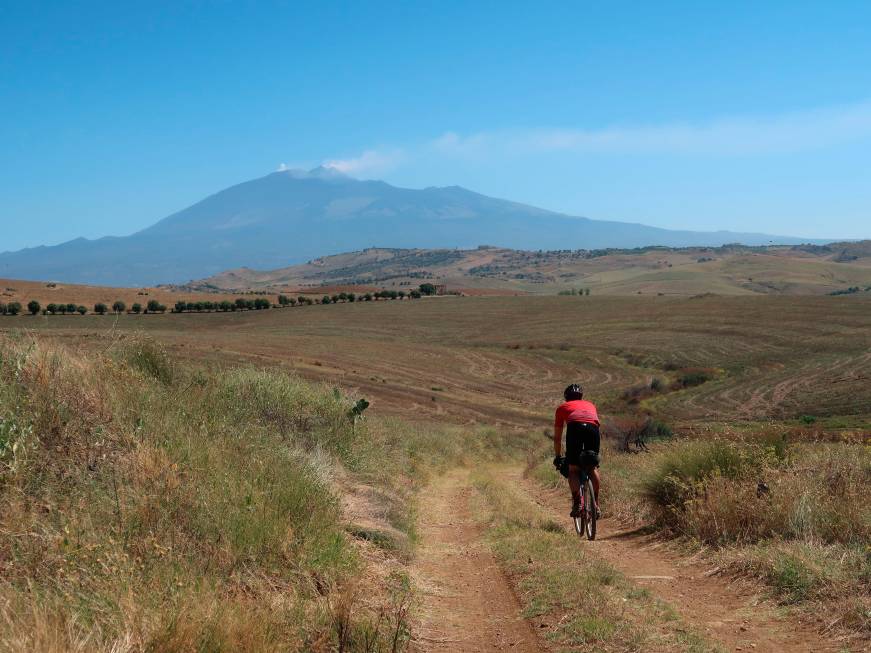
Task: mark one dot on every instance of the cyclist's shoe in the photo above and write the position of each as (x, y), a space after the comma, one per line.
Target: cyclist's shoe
(576, 508)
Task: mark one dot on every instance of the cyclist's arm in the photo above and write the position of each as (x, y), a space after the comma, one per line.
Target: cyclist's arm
(559, 420)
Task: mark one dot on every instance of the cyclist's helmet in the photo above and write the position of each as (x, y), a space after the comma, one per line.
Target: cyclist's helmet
(574, 391)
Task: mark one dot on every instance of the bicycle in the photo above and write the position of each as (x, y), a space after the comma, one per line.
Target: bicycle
(585, 522)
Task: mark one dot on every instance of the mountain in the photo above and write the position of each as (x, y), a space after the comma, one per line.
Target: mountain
(291, 216)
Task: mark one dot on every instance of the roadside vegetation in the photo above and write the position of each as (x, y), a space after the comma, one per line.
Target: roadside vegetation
(149, 506)
(794, 516)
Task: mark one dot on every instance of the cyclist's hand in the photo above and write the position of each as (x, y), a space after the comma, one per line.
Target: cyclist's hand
(557, 461)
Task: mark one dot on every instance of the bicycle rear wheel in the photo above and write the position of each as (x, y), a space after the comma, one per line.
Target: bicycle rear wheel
(588, 515)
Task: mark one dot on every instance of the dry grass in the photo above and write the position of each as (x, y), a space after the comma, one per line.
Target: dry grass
(145, 506)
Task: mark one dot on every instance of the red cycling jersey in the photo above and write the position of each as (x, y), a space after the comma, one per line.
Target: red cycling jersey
(576, 410)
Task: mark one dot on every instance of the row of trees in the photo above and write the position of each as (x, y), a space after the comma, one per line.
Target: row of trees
(35, 308)
(240, 304)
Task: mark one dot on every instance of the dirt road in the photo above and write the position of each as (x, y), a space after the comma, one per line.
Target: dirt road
(468, 604)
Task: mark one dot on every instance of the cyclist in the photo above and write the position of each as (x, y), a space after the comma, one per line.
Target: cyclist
(582, 442)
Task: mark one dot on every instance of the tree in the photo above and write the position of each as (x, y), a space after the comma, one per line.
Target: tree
(2, 308)
(352, 297)
(587, 291)
(13, 308)
(343, 296)
(62, 309)
(326, 299)
(71, 308)
(335, 299)
(427, 289)
(51, 308)
(180, 307)
(241, 304)
(136, 308)
(401, 294)
(414, 294)
(199, 306)
(225, 305)
(100, 308)
(153, 306)
(119, 306)
(81, 310)
(33, 306)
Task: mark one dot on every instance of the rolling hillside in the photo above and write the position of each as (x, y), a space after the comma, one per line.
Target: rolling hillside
(732, 270)
(291, 216)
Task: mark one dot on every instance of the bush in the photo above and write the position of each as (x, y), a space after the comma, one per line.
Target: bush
(675, 480)
(427, 289)
(51, 308)
(81, 310)
(13, 308)
(71, 308)
(119, 307)
(689, 377)
(180, 307)
(136, 308)
(100, 308)
(326, 299)
(33, 307)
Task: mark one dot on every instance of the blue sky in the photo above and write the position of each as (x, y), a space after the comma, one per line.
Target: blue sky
(702, 115)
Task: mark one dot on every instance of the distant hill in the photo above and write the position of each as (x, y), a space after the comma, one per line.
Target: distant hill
(730, 269)
(292, 216)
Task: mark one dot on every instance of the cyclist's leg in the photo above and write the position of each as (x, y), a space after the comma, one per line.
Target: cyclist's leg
(575, 481)
(594, 476)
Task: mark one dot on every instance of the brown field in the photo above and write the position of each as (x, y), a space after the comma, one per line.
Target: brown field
(505, 359)
(199, 445)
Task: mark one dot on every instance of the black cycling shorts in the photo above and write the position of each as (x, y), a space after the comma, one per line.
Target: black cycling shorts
(582, 444)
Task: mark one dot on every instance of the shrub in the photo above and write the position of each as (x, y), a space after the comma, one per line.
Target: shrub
(692, 376)
(326, 299)
(136, 308)
(119, 307)
(2, 308)
(180, 307)
(81, 310)
(71, 308)
(414, 294)
(33, 307)
(51, 308)
(675, 479)
(13, 308)
(427, 289)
